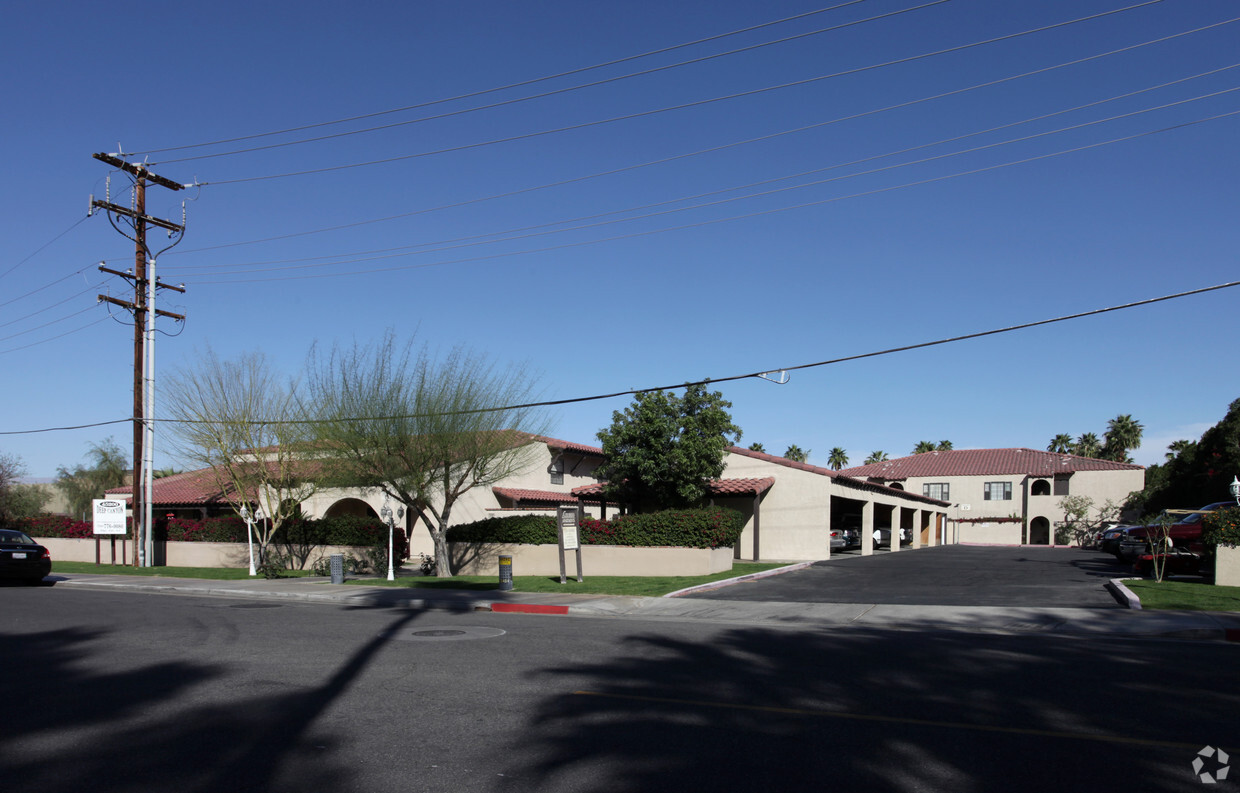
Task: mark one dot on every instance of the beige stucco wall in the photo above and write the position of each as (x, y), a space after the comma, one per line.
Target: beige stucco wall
(991, 533)
(176, 554)
(1227, 565)
(596, 560)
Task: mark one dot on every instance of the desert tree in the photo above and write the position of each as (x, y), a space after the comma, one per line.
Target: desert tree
(241, 419)
(107, 467)
(796, 454)
(422, 429)
(838, 458)
(1060, 444)
(877, 456)
(924, 446)
(18, 499)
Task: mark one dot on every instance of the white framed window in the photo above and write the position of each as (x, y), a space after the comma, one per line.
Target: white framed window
(998, 491)
(939, 490)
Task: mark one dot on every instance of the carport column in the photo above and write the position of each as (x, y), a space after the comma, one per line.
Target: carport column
(897, 525)
(932, 528)
(867, 528)
(917, 517)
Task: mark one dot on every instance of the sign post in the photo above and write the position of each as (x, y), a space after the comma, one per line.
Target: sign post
(567, 520)
(108, 516)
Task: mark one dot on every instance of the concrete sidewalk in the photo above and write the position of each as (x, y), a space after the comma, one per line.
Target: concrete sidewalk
(1060, 621)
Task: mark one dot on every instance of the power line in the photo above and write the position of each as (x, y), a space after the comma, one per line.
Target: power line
(732, 218)
(514, 234)
(723, 147)
(671, 108)
(41, 247)
(715, 380)
(556, 92)
(509, 86)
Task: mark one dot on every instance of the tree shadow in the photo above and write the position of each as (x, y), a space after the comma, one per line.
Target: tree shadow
(879, 710)
(160, 735)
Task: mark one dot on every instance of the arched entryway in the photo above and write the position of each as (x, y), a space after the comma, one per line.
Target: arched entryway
(1039, 531)
(351, 507)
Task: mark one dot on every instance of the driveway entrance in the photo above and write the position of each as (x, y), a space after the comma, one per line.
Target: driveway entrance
(950, 575)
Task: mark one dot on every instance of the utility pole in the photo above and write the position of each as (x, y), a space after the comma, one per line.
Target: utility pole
(145, 285)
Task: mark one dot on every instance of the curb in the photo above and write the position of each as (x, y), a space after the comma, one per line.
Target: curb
(738, 579)
(1123, 594)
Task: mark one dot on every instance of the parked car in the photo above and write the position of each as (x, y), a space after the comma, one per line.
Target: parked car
(22, 558)
(882, 537)
(845, 539)
(1184, 534)
(1110, 539)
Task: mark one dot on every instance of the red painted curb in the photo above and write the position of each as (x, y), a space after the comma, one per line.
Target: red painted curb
(528, 608)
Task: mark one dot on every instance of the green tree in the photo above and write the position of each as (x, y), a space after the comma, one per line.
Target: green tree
(1199, 474)
(796, 454)
(1087, 445)
(663, 449)
(757, 447)
(837, 459)
(242, 420)
(876, 457)
(421, 429)
(924, 446)
(1123, 434)
(1177, 448)
(107, 467)
(1060, 444)
(944, 446)
(18, 500)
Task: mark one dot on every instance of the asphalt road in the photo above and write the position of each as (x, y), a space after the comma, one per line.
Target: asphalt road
(140, 692)
(953, 575)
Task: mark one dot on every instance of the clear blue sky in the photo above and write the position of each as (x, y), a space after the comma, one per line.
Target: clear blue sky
(1031, 211)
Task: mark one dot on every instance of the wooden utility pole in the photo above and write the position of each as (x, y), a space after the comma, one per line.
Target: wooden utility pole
(139, 220)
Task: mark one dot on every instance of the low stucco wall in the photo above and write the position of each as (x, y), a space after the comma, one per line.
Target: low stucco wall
(1227, 565)
(483, 559)
(991, 533)
(174, 554)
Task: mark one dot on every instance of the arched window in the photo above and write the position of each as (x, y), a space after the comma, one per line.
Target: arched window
(352, 507)
(1041, 487)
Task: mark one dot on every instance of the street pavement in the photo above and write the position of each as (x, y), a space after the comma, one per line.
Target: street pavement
(725, 602)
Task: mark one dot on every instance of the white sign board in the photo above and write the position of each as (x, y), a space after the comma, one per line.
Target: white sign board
(109, 515)
(568, 530)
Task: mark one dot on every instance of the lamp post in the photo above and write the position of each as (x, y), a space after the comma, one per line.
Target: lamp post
(387, 516)
(249, 532)
(1235, 489)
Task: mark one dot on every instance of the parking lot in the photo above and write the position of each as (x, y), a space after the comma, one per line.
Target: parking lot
(952, 575)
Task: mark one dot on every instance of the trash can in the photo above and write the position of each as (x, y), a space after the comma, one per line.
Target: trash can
(337, 564)
(505, 573)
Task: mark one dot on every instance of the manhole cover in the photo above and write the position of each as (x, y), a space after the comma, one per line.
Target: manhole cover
(447, 634)
(255, 606)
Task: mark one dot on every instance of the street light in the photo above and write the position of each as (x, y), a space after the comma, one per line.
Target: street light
(1235, 489)
(249, 532)
(386, 513)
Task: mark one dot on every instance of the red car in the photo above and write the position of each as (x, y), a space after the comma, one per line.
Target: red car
(1187, 546)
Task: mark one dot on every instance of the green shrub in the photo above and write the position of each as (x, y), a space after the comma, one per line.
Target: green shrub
(59, 526)
(1222, 527)
(712, 527)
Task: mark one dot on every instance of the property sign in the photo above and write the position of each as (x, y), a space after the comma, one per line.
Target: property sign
(568, 529)
(109, 515)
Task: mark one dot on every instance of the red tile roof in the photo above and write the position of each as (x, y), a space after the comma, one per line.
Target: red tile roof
(717, 487)
(190, 487)
(984, 462)
(839, 476)
(543, 496)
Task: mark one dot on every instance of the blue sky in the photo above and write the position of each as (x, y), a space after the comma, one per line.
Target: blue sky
(863, 212)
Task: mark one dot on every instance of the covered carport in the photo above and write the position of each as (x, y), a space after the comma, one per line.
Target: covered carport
(875, 508)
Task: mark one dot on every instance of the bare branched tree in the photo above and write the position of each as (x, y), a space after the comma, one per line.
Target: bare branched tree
(422, 430)
(241, 419)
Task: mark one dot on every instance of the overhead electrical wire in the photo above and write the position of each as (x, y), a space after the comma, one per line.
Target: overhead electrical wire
(556, 92)
(711, 380)
(714, 149)
(670, 108)
(39, 249)
(715, 221)
(506, 87)
(54, 338)
(507, 234)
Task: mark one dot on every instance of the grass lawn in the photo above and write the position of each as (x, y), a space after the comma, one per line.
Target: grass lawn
(213, 573)
(1186, 595)
(653, 586)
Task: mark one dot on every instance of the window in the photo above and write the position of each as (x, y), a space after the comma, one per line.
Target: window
(1061, 485)
(1041, 487)
(557, 471)
(939, 490)
(998, 491)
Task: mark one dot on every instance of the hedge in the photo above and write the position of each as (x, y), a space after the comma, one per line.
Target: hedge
(59, 526)
(1222, 527)
(712, 527)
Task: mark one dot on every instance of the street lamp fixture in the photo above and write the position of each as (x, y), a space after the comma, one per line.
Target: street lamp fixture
(1235, 489)
(248, 517)
(386, 514)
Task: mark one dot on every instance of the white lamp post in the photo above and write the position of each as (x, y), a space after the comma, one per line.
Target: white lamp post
(249, 531)
(1235, 489)
(386, 514)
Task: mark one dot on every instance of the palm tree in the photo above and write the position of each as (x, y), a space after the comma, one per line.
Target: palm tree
(1087, 445)
(1123, 433)
(757, 447)
(876, 457)
(1060, 444)
(944, 446)
(797, 454)
(838, 459)
(1177, 448)
(924, 446)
